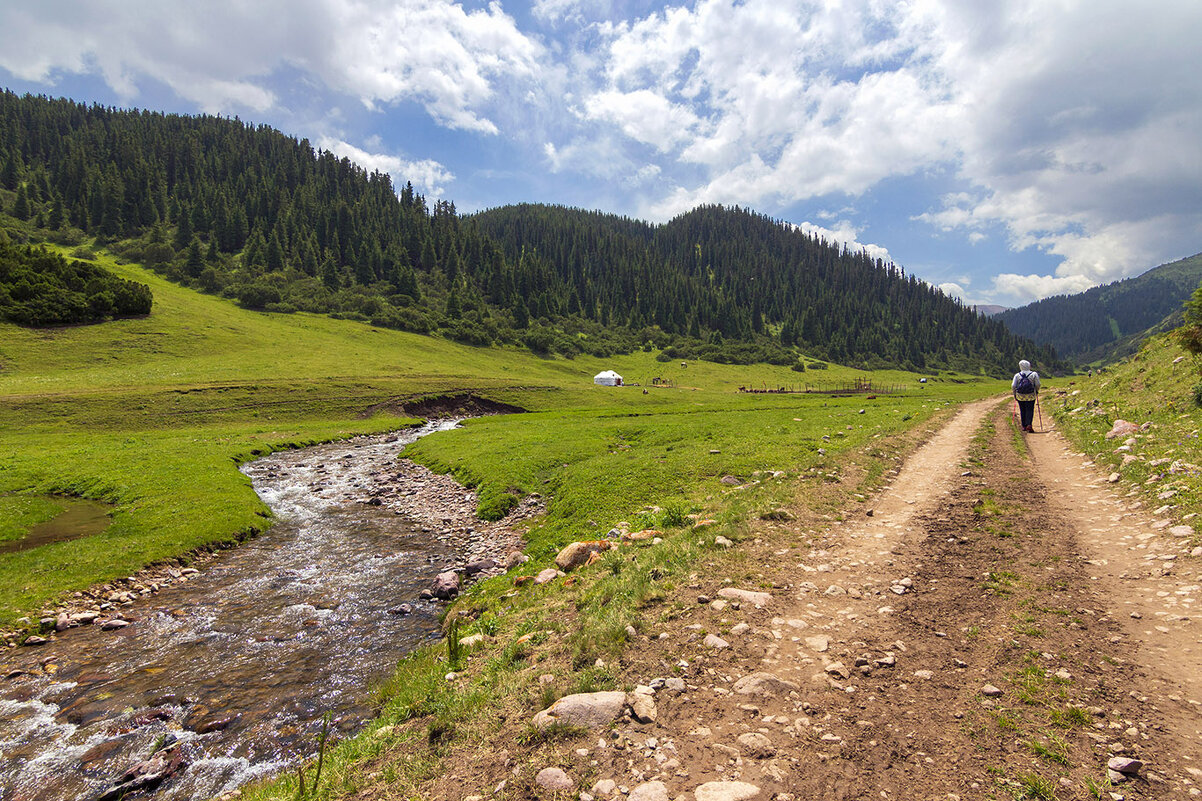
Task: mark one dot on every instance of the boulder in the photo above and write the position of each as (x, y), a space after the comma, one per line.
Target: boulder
(757, 599)
(446, 585)
(642, 707)
(591, 710)
(577, 553)
(765, 684)
(515, 558)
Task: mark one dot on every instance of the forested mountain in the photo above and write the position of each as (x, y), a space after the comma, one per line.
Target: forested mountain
(245, 211)
(1109, 321)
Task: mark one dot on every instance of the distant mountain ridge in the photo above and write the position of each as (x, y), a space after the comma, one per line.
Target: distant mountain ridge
(1108, 322)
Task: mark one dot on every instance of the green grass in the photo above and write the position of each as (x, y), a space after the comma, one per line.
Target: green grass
(1146, 388)
(19, 513)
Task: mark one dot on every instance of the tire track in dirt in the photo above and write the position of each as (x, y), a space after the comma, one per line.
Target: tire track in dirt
(954, 644)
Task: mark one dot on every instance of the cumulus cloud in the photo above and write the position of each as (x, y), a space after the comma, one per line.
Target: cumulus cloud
(845, 233)
(427, 176)
(222, 54)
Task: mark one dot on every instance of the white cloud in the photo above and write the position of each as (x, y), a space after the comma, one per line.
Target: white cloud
(427, 176)
(845, 233)
(644, 116)
(222, 54)
(953, 290)
(1028, 288)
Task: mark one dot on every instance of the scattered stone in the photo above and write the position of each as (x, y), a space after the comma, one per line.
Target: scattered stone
(726, 791)
(476, 566)
(757, 599)
(756, 745)
(471, 640)
(604, 787)
(989, 691)
(642, 707)
(401, 609)
(446, 585)
(740, 628)
(886, 661)
(1113, 478)
(216, 724)
(583, 709)
(579, 553)
(924, 674)
(722, 542)
(674, 684)
(649, 791)
(1122, 428)
(729, 481)
(819, 643)
(763, 684)
(1128, 766)
(554, 779)
(146, 775)
(1181, 531)
(544, 576)
(35, 640)
(515, 558)
(112, 625)
(838, 669)
(715, 642)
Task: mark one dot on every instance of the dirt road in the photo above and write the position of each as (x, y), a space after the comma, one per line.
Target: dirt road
(997, 623)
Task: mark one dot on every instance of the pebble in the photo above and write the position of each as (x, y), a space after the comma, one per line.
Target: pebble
(649, 791)
(989, 691)
(763, 684)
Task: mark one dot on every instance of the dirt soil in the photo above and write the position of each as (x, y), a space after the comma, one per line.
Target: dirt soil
(997, 623)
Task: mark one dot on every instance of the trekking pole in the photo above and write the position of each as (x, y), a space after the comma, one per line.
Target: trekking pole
(1039, 408)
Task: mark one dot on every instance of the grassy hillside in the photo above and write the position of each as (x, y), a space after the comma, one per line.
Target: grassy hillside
(1156, 386)
(1109, 322)
(152, 414)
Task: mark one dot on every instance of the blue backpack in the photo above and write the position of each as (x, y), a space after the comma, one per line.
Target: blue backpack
(1025, 385)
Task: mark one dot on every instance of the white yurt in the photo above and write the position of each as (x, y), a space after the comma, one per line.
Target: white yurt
(608, 378)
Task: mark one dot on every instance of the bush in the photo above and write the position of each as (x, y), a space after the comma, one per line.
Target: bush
(1198, 394)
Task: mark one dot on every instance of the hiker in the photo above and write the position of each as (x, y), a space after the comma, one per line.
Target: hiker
(1025, 385)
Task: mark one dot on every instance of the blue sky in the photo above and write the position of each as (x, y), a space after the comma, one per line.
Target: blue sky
(1004, 151)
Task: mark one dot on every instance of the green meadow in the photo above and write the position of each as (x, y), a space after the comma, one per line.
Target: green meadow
(153, 416)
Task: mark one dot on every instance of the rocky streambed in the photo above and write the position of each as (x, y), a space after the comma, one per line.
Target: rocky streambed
(190, 686)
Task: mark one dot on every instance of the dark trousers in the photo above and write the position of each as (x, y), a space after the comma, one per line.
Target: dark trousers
(1026, 412)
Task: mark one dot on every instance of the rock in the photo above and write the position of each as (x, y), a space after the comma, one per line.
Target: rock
(642, 707)
(757, 599)
(216, 724)
(550, 574)
(642, 536)
(478, 566)
(401, 609)
(515, 558)
(554, 779)
(649, 791)
(112, 625)
(726, 791)
(730, 481)
(715, 642)
(446, 585)
(886, 661)
(819, 643)
(756, 745)
(146, 775)
(838, 669)
(1182, 531)
(578, 553)
(763, 684)
(740, 628)
(583, 709)
(674, 684)
(471, 640)
(924, 674)
(989, 691)
(1127, 766)
(1113, 478)
(722, 542)
(1122, 428)
(604, 787)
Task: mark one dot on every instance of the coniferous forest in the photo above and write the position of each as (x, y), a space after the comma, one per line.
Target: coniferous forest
(247, 212)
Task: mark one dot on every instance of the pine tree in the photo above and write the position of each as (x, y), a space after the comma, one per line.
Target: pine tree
(21, 206)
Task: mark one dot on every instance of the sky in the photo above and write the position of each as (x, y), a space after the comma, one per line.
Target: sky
(1002, 150)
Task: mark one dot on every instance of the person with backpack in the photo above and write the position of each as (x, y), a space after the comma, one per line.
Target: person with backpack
(1025, 386)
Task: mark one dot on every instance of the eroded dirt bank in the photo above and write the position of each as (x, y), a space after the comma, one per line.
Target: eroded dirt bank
(957, 643)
